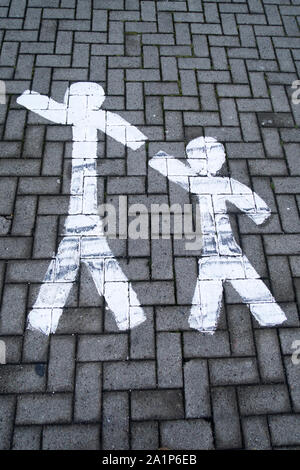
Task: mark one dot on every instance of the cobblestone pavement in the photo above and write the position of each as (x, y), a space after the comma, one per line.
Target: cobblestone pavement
(176, 70)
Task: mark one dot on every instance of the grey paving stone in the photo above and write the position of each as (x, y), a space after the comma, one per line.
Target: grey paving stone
(292, 371)
(27, 438)
(161, 266)
(43, 409)
(262, 399)
(7, 410)
(172, 318)
(102, 348)
(269, 357)
(13, 312)
(129, 375)
(189, 435)
(88, 391)
(35, 347)
(256, 433)
(142, 338)
(287, 337)
(196, 389)
(13, 345)
(226, 418)
(200, 345)
(281, 245)
(240, 328)
(61, 364)
(169, 360)
(21, 379)
(83, 320)
(73, 437)
(233, 371)
(157, 404)
(7, 195)
(144, 435)
(115, 424)
(281, 278)
(155, 293)
(285, 430)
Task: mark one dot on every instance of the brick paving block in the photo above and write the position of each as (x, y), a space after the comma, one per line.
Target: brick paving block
(169, 360)
(35, 347)
(196, 389)
(155, 293)
(161, 266)
(256, 433)
(269, 357)
(87, 290)
(24, 215)
(285, 430)
(142, 338)
(115, 421)
(200, 345)
(129, 375)
(88, 391)
(293, 374)
(240, 330)
(34, 137)
(172, 318)
(290, 309)
(44, 409)
(61, 364)
(186, 272)
(150, 57)
(272, 143)
(156, 404)
(287, 337)
(263, 399)
(129, 185)
(21, 379)
(27, 438)
(106, 347)
(291, 151)
(74, 437)
(13, 345)
(233, 371)
(7, 410)
(188, 435)
(226, 418)
(281, 244)
(144, 435)
(7, 195)
(13, 312)
(273, 167)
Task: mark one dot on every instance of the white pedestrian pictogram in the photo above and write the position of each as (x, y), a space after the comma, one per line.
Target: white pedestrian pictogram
(84, 240)
(222, 258)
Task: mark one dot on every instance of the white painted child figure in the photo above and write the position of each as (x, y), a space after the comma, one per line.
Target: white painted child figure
(83, 237)
(222, 258)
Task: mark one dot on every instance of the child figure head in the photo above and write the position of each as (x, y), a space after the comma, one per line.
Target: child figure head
(210, 151)
(85, 95)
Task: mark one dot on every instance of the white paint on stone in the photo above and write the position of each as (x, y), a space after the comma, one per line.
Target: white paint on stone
(221, 257)
(83, 235)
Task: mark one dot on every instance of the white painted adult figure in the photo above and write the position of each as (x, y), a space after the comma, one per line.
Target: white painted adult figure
(222, 258)
(83, 239)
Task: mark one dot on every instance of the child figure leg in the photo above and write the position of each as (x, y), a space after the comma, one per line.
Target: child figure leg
(56, 287)
(237, 270)
(262, 304)
(112, 283)
(205, 314)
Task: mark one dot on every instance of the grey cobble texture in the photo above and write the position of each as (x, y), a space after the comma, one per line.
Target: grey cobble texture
(176, 70)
